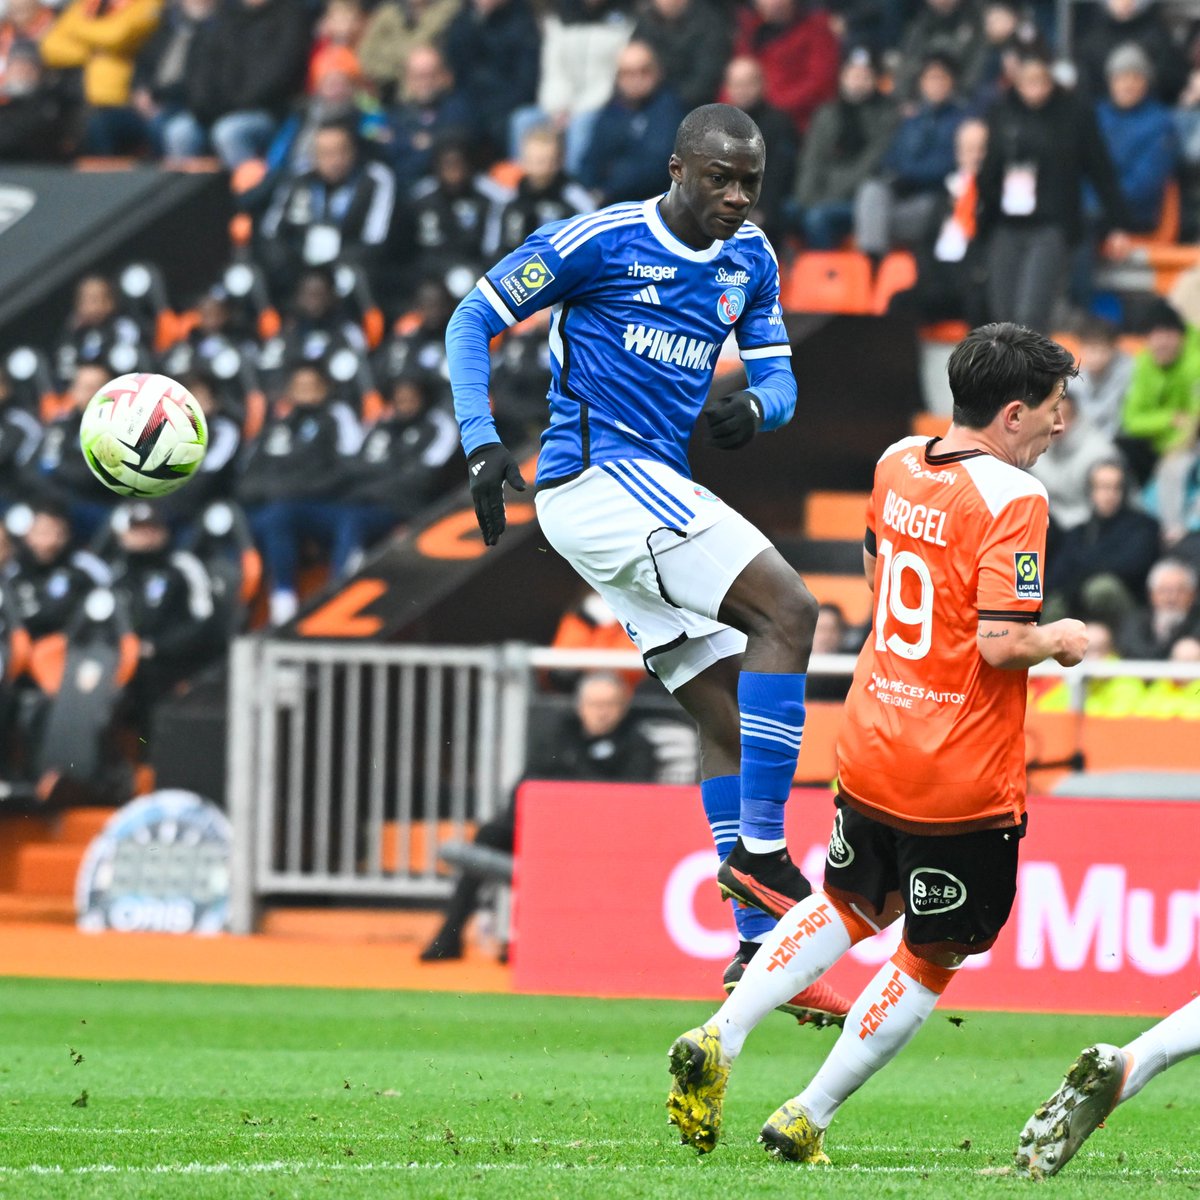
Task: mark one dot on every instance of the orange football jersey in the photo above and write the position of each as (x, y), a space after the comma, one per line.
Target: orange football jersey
(932, 734)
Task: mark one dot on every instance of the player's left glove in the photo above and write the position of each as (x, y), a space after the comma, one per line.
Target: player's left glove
(733, 420)
(488, 469)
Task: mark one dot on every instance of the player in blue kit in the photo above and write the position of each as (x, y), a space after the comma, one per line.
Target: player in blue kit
(643, 296)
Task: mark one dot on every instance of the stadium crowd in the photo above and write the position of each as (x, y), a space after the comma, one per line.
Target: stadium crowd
(383, 154)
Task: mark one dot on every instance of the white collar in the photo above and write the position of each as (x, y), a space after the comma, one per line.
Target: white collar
(670, 242)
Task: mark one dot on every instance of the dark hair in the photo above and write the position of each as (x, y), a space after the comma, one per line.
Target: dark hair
(201, 376)
(939, 58)
(314, 366)
(721, 118)
(1098, 329)
(1162, 314)
(421, 381)
(47, 506)
(998, 363)
(346, 125)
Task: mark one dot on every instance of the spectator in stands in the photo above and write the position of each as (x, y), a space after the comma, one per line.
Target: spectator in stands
(214, 345)
(1099, 568)
(829, 637)
(598, 741)
(337, 97)
(1173, 612)
(456, 214)
(1042, 144)
(1105, 371)
(1065, 469)
(545, 191)
(58, 472)
(249, 66)
(37, 123)
(1140, 134)
(292, 476)
(795, 43)
(50, 578)
(397, 469)
(581, 42)
(1171, 699)
(634, 133)
(337, 34)
(589, 624)
(168, 598)
(950, 28)
(1161, 413)
(97, 332)
(844, 146)
(744, 84)
(341, 210)
(160, 79)
(24, 23)
(394, 30)
(950, 267)
(429, 109)
(418, 344)
(1186, 116)
(901, 203)
(693, 40)
(19, 437)
(102, 41)
(316, 329)
(1118, 23)
(1005, 30)
(493, 48)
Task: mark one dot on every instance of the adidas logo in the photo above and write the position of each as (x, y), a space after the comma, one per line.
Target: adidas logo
(478, 467)
(648, 295)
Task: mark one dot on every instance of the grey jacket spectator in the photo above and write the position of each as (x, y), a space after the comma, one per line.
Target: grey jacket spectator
(693, 40)
(634, 133)
(1105, 372)
(492, 48)
(1065, 468)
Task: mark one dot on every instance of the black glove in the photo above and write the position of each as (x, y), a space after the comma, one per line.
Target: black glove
(733, 420)
(487, 469)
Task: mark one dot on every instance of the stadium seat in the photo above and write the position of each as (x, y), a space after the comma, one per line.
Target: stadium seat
(33, 382)
(507, 173)
(835, 515)
(143, 295)
(897, 273)
(1166, 233)
(947, 332)
(829, 281)
(355, 292)
(818, 754)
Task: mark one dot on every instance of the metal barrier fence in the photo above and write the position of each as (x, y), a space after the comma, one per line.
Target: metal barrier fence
(350, 766)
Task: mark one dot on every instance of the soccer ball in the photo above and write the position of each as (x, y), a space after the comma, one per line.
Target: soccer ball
(143, 435)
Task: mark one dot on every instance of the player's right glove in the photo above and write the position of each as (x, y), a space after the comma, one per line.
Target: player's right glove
(733, 420)
(487, 469)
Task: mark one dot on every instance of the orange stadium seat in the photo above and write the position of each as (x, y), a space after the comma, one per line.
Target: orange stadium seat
(835, 515)
(818, 754)
(948, 332)
(897, 273)
(929, 425)
(829, 281)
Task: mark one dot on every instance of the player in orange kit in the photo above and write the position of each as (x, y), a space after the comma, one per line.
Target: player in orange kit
(931, 788)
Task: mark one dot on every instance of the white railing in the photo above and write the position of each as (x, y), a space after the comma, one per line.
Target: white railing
(349, 766)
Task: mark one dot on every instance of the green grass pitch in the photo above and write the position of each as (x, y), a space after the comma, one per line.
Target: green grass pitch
(139, 1090)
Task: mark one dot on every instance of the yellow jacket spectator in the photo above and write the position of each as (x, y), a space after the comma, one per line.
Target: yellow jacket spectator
(102, 37)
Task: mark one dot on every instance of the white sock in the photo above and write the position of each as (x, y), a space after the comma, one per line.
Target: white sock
(881, 1022)
(283, 606)
(808, 940)
(1174, 1038)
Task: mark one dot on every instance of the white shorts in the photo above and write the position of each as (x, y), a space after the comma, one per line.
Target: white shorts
(662, 551)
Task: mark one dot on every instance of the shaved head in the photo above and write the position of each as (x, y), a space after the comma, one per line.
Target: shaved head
(724, 119)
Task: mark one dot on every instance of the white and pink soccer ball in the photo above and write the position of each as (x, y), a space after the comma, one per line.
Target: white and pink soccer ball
(143, 435)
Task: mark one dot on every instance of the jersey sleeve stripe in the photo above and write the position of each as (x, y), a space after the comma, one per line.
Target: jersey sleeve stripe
(567, 248)
(1021, 615)
(493, 297)
(590, 221)
(779, 350)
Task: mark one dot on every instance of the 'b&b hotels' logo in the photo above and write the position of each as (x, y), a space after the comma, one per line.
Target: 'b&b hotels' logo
(1029, 575)
(731, 305)
(932, 890)
(531, 276)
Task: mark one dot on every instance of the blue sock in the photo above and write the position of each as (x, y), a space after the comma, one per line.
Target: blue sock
(772, 711)
(722, 798)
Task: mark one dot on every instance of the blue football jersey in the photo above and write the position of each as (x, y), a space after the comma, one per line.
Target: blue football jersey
(638, 322)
